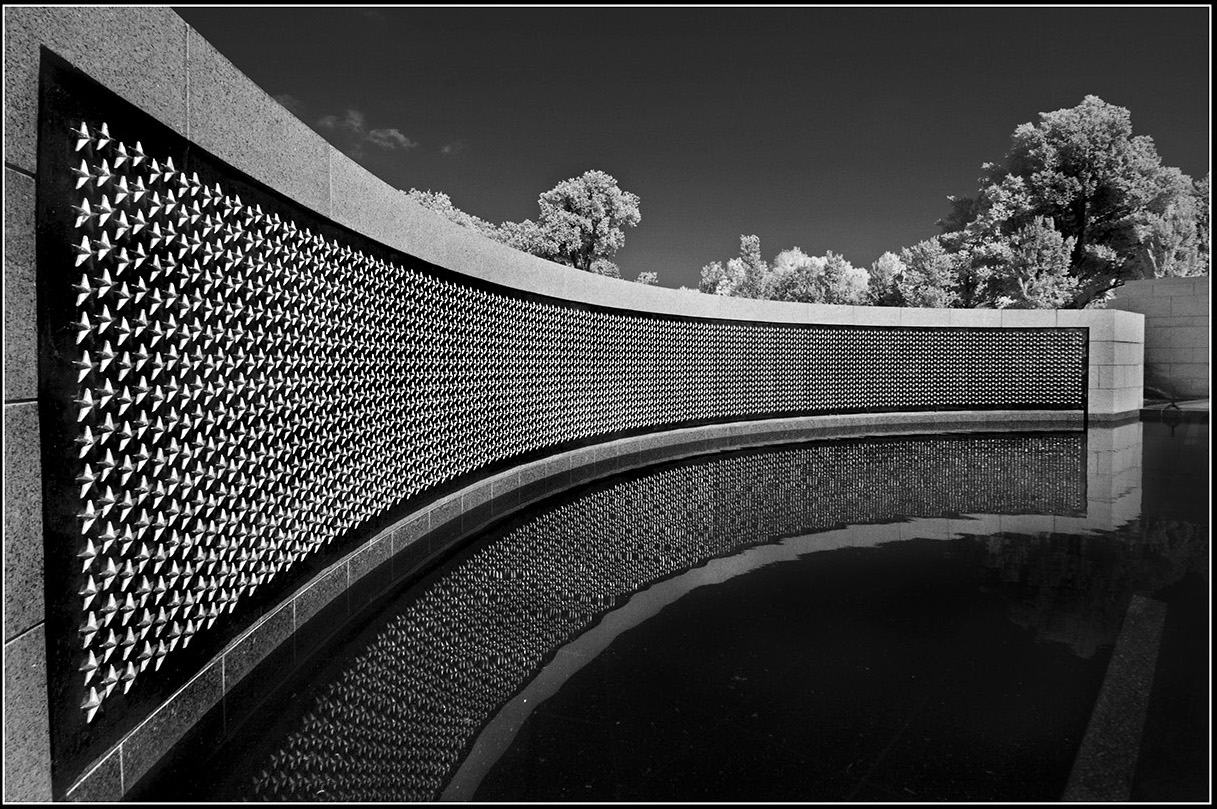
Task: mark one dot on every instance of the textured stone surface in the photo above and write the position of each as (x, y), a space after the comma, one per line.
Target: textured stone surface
(1176, 332)
(152, 739)
(275, 630)
(20, 319)
(924, 317)
(506, 493)
(370, 572)
(321, 593)
(409, 535)
(239, 122)
(139, 53)
(365, 203)
(23, 553)
(1028, 318)
(370, 557)
(27, 746)
(1107, 759)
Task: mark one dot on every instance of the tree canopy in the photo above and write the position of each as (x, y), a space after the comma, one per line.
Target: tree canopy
(583, 219)
(1082, 173)
(793, 276)
(581, 223)
(1078, 206)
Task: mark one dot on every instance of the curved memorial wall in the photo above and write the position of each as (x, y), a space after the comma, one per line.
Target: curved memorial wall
(247, 377)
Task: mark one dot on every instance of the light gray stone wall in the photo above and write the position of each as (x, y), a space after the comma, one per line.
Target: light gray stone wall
(150, 57)
(1177, 332)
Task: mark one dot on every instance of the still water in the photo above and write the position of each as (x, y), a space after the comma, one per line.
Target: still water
(913, 618)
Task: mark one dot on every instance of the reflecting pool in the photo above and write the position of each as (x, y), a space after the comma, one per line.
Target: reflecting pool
(899, 618)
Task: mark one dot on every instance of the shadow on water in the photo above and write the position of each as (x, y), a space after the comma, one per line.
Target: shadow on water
(916, 618)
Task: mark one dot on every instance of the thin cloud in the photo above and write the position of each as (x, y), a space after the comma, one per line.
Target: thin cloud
(391, 138)
(353, 135)
(453, 149)
(293, 104)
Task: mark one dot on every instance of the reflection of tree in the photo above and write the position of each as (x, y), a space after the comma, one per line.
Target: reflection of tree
(1075, 589)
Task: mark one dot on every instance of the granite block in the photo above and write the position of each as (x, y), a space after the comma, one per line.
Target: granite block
(476, 495)
(271, 633)
(370, 572)
(1128, 327)
(1152, 306)
(1101, 400)
(477, 518)
(407, 534)
(1167, 287)
(879, 316)
(27, 743)
(544, 487)
(20, 316)
(445, 512)
(321, 610)
(973, 317)
(1182, 337)
(269, 648)
(924, 317)
(1127, 353)
(1104, 353)
(505, 493)
(330, 587)
(835, 315)
(1028, 318)
(23, 562)
(409, 554)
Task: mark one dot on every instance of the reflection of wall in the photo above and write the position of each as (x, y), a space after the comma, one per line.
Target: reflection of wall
(150, 58)
(413, 699)
(1176, 332)
(1174, 485)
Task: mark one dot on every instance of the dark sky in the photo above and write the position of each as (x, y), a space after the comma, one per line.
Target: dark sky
(829, 129)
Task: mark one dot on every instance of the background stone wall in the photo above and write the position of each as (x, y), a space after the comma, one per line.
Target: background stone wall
(1176, 332)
